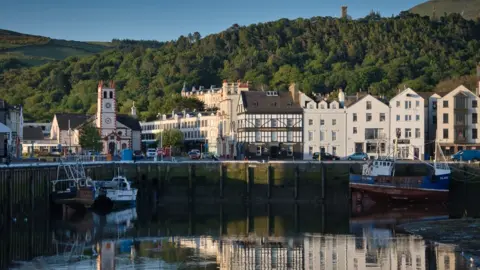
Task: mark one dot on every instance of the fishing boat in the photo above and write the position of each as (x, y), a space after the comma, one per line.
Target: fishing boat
(72, 187)
(379, 181)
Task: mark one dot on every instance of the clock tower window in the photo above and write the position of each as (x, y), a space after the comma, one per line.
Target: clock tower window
(111, 94)
(104, 94)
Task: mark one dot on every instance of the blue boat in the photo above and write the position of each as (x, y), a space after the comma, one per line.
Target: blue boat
(379, 182)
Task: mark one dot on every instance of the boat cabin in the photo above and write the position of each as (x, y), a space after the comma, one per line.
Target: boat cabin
(379, 167)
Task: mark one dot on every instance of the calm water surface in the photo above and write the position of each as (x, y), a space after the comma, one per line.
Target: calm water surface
(176, 236)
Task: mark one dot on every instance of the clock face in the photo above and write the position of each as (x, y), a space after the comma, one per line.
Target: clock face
(108, 120)
(108, 105)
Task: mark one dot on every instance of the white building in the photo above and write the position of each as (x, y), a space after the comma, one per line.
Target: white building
(407, 124)
(457, 121)
(368, 125)
(324, 126)
(198, 128)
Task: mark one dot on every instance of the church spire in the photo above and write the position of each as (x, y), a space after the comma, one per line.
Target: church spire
(134, 110)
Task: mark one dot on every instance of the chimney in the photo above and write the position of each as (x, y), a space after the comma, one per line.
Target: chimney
(478, 79)
(294, 93)
(358, 95)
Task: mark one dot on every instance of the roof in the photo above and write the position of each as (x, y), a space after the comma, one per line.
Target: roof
(351, 100)
(129, 121)
(31, 133)
(75, 120)
(259, 102)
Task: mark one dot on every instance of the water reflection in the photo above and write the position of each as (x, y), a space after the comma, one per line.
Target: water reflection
(250, 237)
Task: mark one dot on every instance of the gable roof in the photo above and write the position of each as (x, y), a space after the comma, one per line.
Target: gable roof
(460, 88)
(75, 120)
(259, 102)
(32, 133)
(129, 121)
(355, 100)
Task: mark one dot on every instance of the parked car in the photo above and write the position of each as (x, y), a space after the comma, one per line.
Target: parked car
(325, 156)
(138, 155)
(466, 155)
(194, 154)
(358, 156)
(151, 152)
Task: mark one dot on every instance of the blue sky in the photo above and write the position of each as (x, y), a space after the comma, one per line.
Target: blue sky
(102, 20)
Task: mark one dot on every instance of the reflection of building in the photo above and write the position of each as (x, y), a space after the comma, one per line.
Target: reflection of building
(342, 252)
(197, 128)
(446, 257)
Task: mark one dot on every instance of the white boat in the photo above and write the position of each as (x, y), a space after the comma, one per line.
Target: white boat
(115, 193)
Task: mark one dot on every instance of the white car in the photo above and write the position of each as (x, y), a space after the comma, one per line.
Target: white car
(151, 152)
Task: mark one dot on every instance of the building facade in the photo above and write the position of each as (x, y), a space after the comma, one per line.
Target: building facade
(457, 121)
(368, 125)
(11, 133)
(200, 129)
(270, 125)
(324, 126)
(407, 124)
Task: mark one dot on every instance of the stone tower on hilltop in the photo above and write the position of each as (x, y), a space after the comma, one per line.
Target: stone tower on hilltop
(344, 12)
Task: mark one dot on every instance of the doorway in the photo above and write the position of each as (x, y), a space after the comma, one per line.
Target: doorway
(416, 153)
(358, 147)
(111, 148)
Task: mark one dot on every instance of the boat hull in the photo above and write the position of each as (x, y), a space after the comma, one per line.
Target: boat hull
(399, 188)
(83, 197)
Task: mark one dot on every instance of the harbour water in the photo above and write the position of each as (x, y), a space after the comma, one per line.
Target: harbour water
(153, 235)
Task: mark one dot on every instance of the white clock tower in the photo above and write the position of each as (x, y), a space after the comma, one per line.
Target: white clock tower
(106, 120)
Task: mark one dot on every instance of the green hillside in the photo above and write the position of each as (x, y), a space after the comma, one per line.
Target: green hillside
(321, 54)
(470, 9)
(20, 50)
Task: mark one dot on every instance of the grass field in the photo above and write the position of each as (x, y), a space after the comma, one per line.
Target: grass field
(469, 8)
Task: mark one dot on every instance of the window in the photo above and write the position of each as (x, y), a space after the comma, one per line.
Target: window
(310, 135)
(417, 103)
(274, 136)
(274, 122)
(334, 150)
(417, 117)
(474, 118)
(334, 122)
(104, 94)
(258, 136)
(445, 118)
(369, 117)
(398, 117)
(382, 117)
(322, 136)
(354, 117)
(111, 94)
(474, 133)
(408, 117)
(398, 104)
(434, 119)
(259, 151)
(445, 104)
(322, 106)
(311, 106)
(354, 130)
(310, 150)
(408, 133)
(257, 122)
(289, 122)
(474, 104)
(445, 133)
(310, 122)
(417, 133)
(372, 133)
(398, 132)
(334, 135)
(289, 136)
(408, 104)
(322, 122)
(369, 105)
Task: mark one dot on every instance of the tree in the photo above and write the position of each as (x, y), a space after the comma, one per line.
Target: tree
(90, 138)
(171, 137)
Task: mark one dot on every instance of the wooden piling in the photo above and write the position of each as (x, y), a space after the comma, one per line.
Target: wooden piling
(269, 181)
(295, 183)
(222, 179)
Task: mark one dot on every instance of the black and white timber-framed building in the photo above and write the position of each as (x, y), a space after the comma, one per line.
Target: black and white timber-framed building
(269, 125)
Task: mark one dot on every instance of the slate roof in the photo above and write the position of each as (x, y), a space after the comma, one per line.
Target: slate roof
(129, 121)
(75, 120)
(259, 102)
(32, 133)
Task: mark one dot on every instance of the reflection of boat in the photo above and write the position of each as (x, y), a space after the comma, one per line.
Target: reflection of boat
(379, 181)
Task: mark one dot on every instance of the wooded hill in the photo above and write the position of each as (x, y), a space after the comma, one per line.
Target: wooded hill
(469, 9)
(321, 54)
